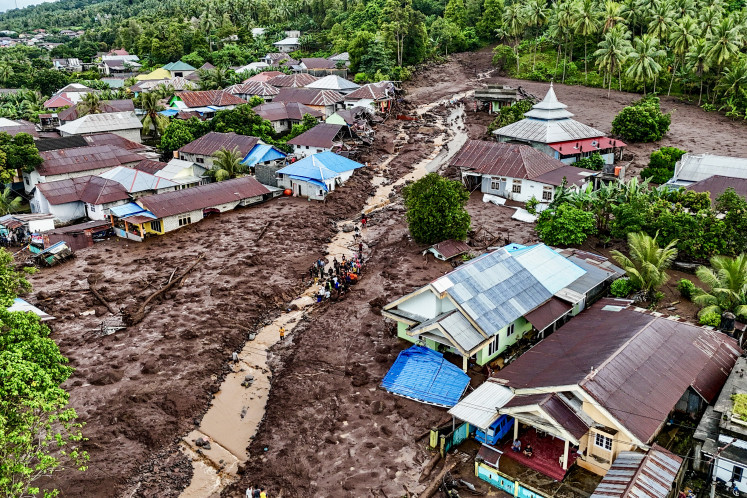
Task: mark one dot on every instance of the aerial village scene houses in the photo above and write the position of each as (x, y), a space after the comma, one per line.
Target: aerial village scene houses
(291, 276)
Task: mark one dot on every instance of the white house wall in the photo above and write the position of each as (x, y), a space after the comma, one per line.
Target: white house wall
(101, 211)
(30, 180)
(367, 103)
(172, 222)
(529, 189)
(306, 150)
(425, 304)
(724, 468)
(36, 226)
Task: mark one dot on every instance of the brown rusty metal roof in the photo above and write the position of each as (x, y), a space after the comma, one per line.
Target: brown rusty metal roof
(322, 135)
(259, 88)
(547, 313)
(58, 162)
(209, 144)
(278, 111)
(202, 196)
(640, 475)
(555, 408)
(263, 76)
(209, 97)
(634, 364)
(374, 91)
(70, 142)
(504, 159)
(83, 227)
(150, 166)
(716, 185)
(309, 96)
(114, 140)
(297, 80)
(90, 189)
(572, 174)
(72, 113)
(451, 248)
(317, 63)
(20, 128)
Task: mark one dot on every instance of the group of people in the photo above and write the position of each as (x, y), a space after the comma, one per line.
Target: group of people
(528, 450)
(338, 277)
(13, 238)
(258, 492)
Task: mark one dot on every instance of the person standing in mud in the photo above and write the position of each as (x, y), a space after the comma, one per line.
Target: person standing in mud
(282, 333)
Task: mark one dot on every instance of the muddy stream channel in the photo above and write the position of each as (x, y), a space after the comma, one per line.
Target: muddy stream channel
(236, 411)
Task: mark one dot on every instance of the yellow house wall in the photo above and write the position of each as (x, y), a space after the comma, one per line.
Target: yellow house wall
(149, 229)
(603, 461)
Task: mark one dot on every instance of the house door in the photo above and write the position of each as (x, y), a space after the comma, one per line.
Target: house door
(299, 190)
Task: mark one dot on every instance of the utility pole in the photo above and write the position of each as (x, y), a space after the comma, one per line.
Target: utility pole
(712, 459)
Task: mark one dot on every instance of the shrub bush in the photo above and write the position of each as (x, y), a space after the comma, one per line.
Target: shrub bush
(711, 318)
(642, 122)
(622, 287)
(661, 164)
(531, 205)
(686, 288)
(594, 162)
(565, 225)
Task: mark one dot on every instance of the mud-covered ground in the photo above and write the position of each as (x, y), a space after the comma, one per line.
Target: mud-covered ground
(329, 430)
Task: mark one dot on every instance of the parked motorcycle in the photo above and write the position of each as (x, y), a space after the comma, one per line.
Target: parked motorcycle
(728, 487)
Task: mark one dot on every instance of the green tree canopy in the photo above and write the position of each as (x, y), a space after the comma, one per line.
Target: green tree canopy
(435, 209)
(648, 263)
(565, 225)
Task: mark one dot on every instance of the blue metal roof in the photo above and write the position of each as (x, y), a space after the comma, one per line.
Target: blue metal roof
(513, 246)
(261, 153)
(320, 167)
(169, 112)
(424, 375)
(129, 209)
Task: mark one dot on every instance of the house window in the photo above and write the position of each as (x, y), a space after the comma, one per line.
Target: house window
(493, 346)
(510, 330)
(200, 160)
(185, 219)
(155, 225)
(736, 474)
(516, 187)
(547, 193)
(318, 150)
(182, 157)
(495, 183)
(307, 147)
(26, 179)
(92, 208)
(603, 441)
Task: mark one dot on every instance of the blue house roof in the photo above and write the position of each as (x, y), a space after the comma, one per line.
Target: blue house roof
(424, 375)
(317, 168)
(261, 153)
(130, 209)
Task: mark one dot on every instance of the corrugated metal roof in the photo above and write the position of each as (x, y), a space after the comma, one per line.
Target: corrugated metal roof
(547, 132)
(317, 63)
(634, 364)
(424, 375)
(322, 135)
(333, 82)
(71, 142)
(461, 331)
(203, 196)
(559, 411)
(19, 305)
(115, 140)
(309, 96)
(150, 166)
(206, 98)
(209, 144)
(696, 167)
(320, 167)
(263, 76)
(504, 159)
(717, 185)
(480, 407)
(99, 123)
(134, 180)
(571, 174)
(83, 227)
(277, 111)
(383, 90)
(258, 88)
(57, 162)
(72, 113)
(595, 275)
(551, 269)
(451, 248)
(57, 101)
(261, 153)
(544, 316)
(287, 41)
(90, 189)
(640, 475)
(297, 80)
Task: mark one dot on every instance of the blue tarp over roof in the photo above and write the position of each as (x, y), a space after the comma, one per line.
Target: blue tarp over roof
(424, 375)
(320, 167)
(261, 153)
(129, 209)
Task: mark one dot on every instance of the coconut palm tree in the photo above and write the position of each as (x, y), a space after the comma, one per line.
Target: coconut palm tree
(726, 281)
(612, 15)
(612, 52)
(683, 8)
(661, 20)
(9, 201)
(643, 67)
(699, 63)
(724, 42)
(89, 104)
(646, 267)
(733, 81)
(586, 25)
(535, 14)
(6, 72)
(514, 24)
(709, 18)
(631, 12)
(151, 107)
(681, 38)
(226, 165)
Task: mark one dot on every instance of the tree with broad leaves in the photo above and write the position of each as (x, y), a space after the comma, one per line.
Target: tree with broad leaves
(435, 209)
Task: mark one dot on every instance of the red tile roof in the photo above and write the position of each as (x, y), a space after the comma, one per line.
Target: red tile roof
(209, 97)
(632, 363)
(297, 80)
(209, 144)
(202, 196)
(58, 162)
(504, 159)
(309, 96)
(277, 111)
(124, 105)
(317, 63)
(322, 135)
(90, 189)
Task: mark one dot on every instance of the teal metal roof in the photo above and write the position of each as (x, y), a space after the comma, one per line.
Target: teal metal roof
(178, 66)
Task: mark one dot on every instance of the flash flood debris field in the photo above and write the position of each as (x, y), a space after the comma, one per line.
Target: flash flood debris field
(329, 430)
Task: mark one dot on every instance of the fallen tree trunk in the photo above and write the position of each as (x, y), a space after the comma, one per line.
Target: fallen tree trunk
(450, 462)
(101, 299)
(428, 468)
(133, 318)
(262, 232)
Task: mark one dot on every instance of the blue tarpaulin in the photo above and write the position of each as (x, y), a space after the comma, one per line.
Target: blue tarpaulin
(130, 209)
(424, 375)
(320, 167)
(262, 153)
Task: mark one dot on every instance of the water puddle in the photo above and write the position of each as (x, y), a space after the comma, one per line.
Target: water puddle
(236, 411)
